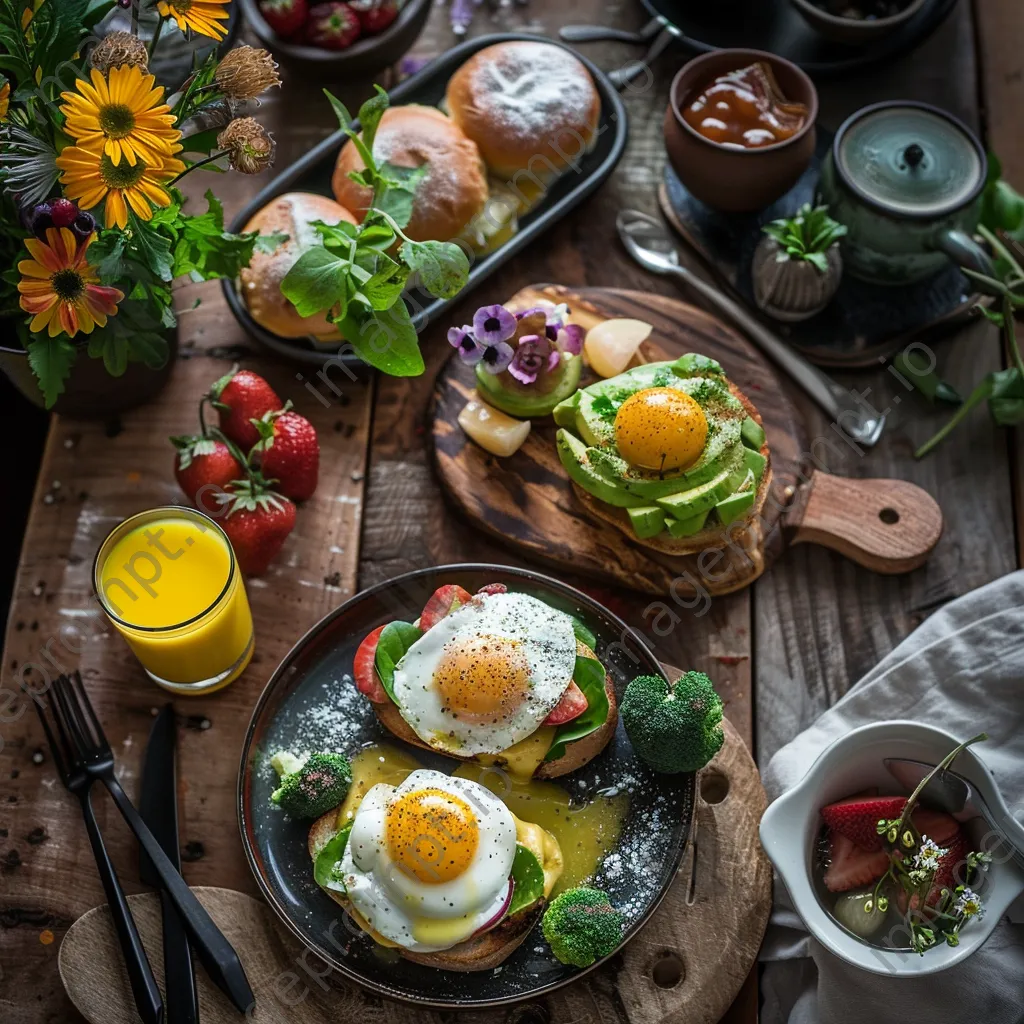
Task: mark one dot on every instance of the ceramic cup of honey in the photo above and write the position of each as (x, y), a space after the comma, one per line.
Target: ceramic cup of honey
(739, 128)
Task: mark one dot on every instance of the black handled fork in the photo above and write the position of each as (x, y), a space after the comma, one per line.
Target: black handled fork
(78, 782)
(97, 759)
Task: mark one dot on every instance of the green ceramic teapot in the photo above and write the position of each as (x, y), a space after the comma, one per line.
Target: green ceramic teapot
(906, 180)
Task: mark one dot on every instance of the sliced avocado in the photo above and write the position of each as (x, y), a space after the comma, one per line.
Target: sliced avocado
(565, 412)
(693, 364)
(574, 456)
(755, 462)
(687, 527)
(731, 508)
(752, 433)
(504, 392)
(647, 520)
(687, 504)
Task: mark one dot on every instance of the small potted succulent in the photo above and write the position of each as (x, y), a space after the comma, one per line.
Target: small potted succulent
(797, 266)
(94, 230)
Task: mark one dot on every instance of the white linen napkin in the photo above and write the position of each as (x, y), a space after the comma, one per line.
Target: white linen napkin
(963, 671)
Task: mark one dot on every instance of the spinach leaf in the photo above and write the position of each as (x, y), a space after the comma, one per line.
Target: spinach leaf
(395, 639)
(326, 867)
(589, 676)
(527, 878)
(583, 634)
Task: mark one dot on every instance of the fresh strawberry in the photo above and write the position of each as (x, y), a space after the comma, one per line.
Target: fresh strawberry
(257, 523)
(938, 827)
(364, 669)
(333, 26)
(442, 602)
(374, 15)
(240, 397)
(285, 17)
(203, 467)
(856, 817)
(493, 588)
(572, 705)
(289, 454)
(850, 866)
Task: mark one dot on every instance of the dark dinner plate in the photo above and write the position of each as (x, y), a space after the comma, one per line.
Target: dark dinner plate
(311, 702)
(312, 173)
(778, 26)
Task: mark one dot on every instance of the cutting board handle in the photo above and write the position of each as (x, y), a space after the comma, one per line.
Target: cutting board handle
(889, 526)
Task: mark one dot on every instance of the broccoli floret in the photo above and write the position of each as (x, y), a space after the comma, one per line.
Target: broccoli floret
(312, 787)
(582, 926)
(675, 728)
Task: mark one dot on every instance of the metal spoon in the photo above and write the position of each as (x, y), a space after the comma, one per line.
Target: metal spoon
(599, 33)
(957, 796)
(621, 77)
(648, 241)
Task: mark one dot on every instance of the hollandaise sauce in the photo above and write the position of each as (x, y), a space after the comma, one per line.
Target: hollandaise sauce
(378, 763)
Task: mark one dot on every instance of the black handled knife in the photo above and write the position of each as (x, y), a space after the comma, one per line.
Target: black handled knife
(158, 806)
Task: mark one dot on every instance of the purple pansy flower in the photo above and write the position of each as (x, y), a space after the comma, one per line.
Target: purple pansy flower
(493, 324)
(571, 339)
(497, 357)
(461, 338)
(534, 354)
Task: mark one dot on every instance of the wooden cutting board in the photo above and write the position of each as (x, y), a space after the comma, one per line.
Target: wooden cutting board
(684, 967)
(527, 501)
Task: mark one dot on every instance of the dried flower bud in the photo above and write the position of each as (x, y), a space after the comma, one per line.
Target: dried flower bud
(249, 146)
(245, 72)
(119, 49)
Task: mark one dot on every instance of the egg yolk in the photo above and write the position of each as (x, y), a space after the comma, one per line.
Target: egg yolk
(482, 678)
(661, 429)
(431, 835)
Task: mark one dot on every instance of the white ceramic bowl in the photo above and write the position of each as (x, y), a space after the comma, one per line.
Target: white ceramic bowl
(854, 762)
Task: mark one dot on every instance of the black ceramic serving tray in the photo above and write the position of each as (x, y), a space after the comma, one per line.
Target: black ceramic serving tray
(777, 25)
(864, 324)
(313, 174)
(311, 703)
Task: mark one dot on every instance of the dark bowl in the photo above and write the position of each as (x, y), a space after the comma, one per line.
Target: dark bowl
(855, 31)
(364, 57)
(738, 180)
(310, 703)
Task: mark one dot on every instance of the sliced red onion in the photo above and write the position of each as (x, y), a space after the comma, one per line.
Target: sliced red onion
(499, 916)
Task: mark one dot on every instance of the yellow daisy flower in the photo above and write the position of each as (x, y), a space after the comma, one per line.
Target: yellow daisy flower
(121, 115)
(61, 289)
(5, 99)
(202, 16)
(89, 178)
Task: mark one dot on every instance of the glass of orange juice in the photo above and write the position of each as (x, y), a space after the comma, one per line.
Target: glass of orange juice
(169, 582)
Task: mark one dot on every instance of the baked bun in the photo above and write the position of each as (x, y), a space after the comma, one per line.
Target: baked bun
(530, 107)
(290, 214)
(577, 753)
(478, 953)
(451, 194)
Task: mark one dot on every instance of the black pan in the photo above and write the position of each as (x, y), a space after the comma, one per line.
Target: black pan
(307, 687)
(312, 173)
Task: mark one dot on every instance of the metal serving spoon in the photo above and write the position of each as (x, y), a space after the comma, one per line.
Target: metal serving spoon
(950, 792)
(648, 241)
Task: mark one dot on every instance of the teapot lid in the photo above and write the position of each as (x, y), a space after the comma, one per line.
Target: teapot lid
(910, 159)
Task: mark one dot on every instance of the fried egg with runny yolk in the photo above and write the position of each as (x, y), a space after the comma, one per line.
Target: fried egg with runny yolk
(487, 675)
(661, 429)
(427, 863)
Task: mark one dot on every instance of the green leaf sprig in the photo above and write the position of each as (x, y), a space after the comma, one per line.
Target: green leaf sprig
(807, 236)
(356, 277)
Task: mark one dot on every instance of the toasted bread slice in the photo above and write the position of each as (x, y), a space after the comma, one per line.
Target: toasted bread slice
(576, 755)
(479, 953)
(712, 537)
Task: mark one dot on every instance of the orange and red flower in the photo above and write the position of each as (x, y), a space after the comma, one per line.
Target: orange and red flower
(61, 289)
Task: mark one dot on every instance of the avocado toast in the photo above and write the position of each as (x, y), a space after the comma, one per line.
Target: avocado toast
(671, 453)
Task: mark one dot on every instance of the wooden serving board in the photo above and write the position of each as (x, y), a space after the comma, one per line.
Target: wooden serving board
(527, 501)
(685, 967)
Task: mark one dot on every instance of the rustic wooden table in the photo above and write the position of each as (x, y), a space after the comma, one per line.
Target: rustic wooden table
(786, 648)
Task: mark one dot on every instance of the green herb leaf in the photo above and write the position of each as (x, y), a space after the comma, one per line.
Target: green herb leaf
(928, 383)
(397, 203)
(153, 248)
(317, 281)
(201, 142)
(338, 235)
(442, 266)
(326, 867)
(106, 255)
(385, 287)
(340, 111)
(385, 339)
(583, 634)
(976, 397)
(589, 676)
(1006, 401)
(395, 639)
(370, 114)
(269, 243)
(527, 878)
(51, 360)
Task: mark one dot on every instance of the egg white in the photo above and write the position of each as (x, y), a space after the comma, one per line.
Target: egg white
(418, 916)
(548, 642)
